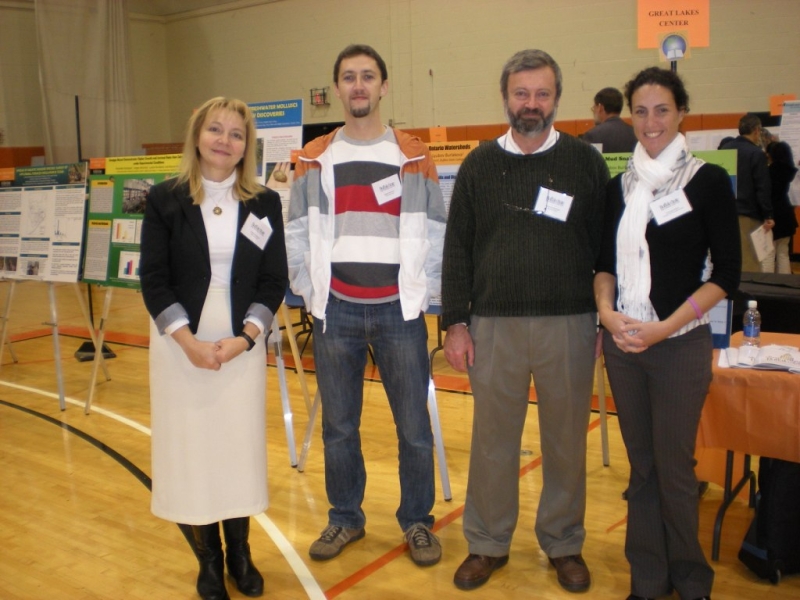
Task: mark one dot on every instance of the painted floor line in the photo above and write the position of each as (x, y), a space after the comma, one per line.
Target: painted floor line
(303, 575)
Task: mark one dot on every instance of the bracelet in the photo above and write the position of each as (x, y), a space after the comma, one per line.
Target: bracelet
(250, 341)
(696, 308)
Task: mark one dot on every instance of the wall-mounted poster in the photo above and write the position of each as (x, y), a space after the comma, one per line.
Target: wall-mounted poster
(41, 222)
(118, 189)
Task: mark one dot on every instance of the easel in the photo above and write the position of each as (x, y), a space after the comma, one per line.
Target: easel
(53, 324)
(600, 381)
(12, 285)
(98, 346)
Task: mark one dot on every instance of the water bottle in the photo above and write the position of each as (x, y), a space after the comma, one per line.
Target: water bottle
(752, 325)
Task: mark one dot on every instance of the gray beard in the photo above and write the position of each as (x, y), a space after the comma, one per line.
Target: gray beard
(527, 128)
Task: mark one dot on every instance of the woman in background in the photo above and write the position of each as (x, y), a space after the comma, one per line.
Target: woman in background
(213, 274)
(782, 170)
(670, 253)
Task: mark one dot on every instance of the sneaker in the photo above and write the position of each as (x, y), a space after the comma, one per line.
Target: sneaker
(333, 540)
(424, 546)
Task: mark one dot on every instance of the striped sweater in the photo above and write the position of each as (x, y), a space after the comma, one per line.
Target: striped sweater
(311, 227)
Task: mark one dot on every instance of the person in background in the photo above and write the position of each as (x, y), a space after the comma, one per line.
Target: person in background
(522, 238)
(782, 171)
(753, 195)
(610, 130)
(364, 239)
(213, 274)
(670, 253)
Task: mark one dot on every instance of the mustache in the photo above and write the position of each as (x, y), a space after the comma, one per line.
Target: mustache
(527, 112)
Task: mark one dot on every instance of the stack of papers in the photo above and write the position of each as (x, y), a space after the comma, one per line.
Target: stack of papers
(772, 357)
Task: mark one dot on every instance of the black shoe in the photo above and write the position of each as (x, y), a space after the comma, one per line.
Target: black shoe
(211, 579)
(237, 556)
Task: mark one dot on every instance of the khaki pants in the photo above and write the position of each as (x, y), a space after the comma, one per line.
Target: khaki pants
(749, 259)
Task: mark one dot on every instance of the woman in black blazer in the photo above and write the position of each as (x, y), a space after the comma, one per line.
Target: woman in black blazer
(213, 274)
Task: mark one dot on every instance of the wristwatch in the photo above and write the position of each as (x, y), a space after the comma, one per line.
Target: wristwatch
(250, 341)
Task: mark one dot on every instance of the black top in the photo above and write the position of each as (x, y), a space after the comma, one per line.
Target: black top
(781, 173)
(678, 248)
(615, 135)
(503, 260)
(752, 179)
(175, 267)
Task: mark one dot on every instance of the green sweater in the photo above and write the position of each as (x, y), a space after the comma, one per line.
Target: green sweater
(503, 260)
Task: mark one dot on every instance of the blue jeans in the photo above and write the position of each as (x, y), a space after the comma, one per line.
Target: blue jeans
(401, 353)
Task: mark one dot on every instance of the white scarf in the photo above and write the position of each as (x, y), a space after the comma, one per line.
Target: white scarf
(633, 253)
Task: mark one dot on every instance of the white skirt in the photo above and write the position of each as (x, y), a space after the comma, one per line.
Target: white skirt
(209, 452)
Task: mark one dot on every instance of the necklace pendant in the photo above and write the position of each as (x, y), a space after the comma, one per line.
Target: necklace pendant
(217, 210)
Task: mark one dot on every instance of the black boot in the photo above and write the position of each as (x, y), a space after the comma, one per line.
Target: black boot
(237, 557)
(211, 580)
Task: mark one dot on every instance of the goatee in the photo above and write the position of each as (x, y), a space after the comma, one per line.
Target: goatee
(360, 112)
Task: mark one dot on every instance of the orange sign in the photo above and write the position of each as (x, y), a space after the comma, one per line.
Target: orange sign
(776, 103)
(656, 18)
(438, 134)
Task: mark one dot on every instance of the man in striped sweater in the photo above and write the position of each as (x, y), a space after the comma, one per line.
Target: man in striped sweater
(364, 243)
(522, 238)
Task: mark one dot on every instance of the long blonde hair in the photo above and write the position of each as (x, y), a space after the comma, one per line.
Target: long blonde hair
(245, 186)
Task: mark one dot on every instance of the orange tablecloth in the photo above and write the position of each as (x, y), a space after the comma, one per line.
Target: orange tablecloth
(753, 411)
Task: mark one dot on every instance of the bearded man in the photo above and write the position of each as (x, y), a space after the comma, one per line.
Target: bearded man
(522, 237)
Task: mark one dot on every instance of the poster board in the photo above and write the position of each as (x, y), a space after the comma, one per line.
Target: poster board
(279, 131)
(447, 156)
(790, 133)
(117, 190)
(41, 222)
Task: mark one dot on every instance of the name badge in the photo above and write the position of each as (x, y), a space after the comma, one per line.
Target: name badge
(387, 189)
(257, 230)
(553, 204)
(670, 207)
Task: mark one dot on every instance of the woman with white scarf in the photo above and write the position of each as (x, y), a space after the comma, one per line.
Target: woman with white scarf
(670, 253)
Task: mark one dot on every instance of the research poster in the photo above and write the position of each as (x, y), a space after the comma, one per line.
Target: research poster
(41, 222)
(118, 188)
(279, 131)
(448, 157)
(618, 162)
(790, 133)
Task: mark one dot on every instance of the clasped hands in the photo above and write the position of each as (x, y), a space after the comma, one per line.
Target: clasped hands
(632, 335)
(212, 355)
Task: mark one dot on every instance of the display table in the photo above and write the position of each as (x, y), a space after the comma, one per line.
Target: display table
(751, 411)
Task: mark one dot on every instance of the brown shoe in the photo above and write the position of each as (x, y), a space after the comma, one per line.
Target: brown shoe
(573, 574)
(476, 570)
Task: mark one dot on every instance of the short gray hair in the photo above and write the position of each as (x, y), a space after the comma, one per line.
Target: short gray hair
(529, 60)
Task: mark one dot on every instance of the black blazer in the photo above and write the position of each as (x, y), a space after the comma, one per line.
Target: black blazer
(175, 269)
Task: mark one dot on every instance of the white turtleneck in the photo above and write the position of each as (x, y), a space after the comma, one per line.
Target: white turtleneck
(221, 235)
(221, 228)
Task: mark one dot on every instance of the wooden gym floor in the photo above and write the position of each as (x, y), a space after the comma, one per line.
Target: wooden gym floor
(74, 506)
